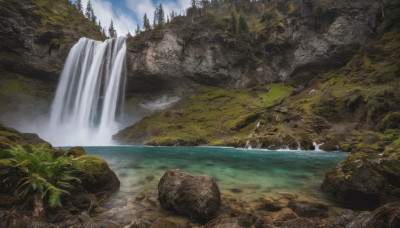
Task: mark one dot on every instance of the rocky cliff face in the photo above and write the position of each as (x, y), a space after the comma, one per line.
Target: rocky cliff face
(300, 43)
(36, 35)
(35, 38)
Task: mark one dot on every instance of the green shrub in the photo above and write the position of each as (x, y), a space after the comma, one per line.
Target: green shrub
(47, 175)
(54, 43)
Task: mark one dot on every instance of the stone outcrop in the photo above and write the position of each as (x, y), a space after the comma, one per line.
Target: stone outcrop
(366, 180)
(194, 196)
(186, 55)
(35, 41)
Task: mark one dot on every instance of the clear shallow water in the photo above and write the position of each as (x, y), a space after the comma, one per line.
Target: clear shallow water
(246, 174)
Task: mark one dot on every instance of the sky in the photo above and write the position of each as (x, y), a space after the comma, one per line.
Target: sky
(127, 13)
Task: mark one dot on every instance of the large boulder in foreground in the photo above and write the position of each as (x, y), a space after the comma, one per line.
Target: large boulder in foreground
(96, 175)
(194, 196)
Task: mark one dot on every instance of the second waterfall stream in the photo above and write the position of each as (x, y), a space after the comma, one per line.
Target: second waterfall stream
(89, 99)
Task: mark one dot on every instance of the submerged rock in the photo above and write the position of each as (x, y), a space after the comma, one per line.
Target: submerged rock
(269, 204)
(194, 196)
(309, 210)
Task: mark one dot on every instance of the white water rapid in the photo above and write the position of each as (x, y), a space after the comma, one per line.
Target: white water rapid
(89, 97)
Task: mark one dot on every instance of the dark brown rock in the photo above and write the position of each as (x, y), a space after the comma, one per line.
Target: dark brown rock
(268, 204)
(83, 201)
(163, 223)
(386, 216)
(84, 216)
(194, 196)
(309, 210)
(224, 223)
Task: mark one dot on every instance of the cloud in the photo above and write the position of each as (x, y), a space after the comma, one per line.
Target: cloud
(105, 11)
(126, 16)
(140, 7)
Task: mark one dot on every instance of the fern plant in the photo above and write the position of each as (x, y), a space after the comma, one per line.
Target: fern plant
(47, 175)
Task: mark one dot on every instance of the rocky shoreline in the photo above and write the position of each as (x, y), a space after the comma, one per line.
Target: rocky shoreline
(97, 202)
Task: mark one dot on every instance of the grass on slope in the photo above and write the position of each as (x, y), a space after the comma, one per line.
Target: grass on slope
(211, 116)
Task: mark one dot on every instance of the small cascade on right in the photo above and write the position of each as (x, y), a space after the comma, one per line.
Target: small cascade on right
(316, 145)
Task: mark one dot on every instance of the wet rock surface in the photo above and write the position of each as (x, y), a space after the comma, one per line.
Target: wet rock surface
(387, 215)
(194, 196)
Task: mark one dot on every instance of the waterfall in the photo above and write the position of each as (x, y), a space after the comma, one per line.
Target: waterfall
(89, 98)
(316, 145)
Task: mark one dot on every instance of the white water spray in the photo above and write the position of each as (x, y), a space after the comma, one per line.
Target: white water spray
(89, 97)
(316, 145)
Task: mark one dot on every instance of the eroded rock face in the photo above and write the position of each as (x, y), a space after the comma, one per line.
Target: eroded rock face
(30, 46)
(186, 57)
(194, 196)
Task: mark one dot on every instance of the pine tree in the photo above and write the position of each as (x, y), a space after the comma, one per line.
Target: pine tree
(146, 23)
(155, 19)
(89, 10)
(233, 23)
(111, 30)
(93, 17)
(137, 31)
(214, 4)
(193, 4)
(161, 16)
(78, 5)
(243, 26)
(205, 4)
(167, 18)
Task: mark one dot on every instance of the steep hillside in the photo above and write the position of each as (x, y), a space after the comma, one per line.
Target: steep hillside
(359, 98)
(286, 41)
(36, 36)
(337, 86)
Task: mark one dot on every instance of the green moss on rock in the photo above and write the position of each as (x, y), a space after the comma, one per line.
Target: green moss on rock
(95, 174)
(207, 116)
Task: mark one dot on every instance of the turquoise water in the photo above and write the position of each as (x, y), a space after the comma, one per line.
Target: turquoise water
(246, 174)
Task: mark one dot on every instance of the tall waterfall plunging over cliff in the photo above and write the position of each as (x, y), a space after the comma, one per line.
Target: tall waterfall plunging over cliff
(89, 97)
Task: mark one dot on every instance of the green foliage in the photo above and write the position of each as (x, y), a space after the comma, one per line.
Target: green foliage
(319, 8)
(146, 23)
(233, 23)
(243, 26)
(49, 176)
(54, 43)
(111, 31)
(64, 18)
(272, 17)
(211, 116)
